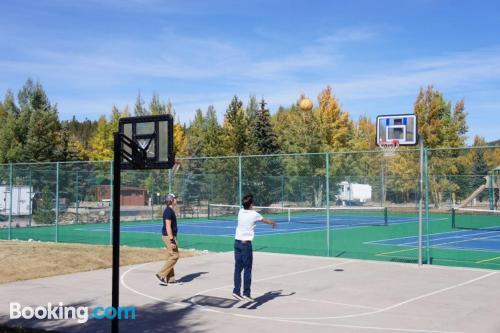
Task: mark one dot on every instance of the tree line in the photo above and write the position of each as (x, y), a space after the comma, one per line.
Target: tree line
(31, 131)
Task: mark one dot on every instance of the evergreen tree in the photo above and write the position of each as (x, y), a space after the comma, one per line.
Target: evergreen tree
(213, 136)
(196, 135)
(43, 212)
(81, 131)
(236, 128)
(139, 109)
(252, 108)
(39, 121)
(155, 106)
(10, 137)
(263, 175)
(70, 149)
(265, 137)
(169, 108)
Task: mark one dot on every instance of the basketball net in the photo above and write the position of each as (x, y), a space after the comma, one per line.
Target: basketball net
(146, 145)
(176, 166)
(389, 147)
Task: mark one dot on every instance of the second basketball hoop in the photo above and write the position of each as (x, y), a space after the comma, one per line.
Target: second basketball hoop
(394, 131)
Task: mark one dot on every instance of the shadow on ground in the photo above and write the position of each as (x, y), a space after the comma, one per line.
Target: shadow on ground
(191, 277)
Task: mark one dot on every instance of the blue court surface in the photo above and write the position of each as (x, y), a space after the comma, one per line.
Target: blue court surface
(478, 240)
(296, 224)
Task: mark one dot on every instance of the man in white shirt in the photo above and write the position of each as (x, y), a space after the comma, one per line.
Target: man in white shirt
(243, 252)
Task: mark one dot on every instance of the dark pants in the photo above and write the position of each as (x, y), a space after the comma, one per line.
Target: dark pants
(243, 257)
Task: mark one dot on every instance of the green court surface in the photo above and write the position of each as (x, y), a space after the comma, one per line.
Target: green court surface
(443, 245)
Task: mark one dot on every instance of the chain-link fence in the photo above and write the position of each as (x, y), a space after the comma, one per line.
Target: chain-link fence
(355, 204)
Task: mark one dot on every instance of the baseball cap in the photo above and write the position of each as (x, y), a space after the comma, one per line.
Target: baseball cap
(171, 196)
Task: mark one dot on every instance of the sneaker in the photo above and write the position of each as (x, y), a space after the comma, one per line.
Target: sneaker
(248, 298)
(162, 280)
(237, 296)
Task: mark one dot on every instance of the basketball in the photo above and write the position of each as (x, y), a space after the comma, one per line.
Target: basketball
(305, 104)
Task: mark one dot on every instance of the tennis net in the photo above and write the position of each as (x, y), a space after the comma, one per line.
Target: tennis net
(470, 218)
(307, 215)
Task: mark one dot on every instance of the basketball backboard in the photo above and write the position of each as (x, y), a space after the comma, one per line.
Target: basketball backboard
(148, 140)
(398, 127)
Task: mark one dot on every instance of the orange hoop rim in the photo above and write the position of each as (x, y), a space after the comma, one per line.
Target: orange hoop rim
(389, 147)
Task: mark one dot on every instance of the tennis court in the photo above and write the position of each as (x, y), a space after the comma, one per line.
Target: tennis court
(458, 240)
(374, 233)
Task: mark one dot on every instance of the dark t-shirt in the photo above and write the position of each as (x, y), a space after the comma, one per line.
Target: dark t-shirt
(169, 214)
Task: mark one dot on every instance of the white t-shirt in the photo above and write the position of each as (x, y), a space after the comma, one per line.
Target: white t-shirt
(247, 219)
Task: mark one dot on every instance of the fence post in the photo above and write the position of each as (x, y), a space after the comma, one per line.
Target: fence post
(240, 180)
(10, 201)
(169, 180)
(77, 198)
(111, 203)
(282, 191)
(31, 199)
(420, 202)
(426, 168)
(327, 175)
(57, 201)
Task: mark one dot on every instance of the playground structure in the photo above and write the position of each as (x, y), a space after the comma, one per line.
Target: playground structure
(492, 185)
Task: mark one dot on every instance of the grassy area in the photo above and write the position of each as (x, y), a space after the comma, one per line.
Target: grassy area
(22, 260)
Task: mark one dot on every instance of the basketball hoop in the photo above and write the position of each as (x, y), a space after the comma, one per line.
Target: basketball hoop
(389, 147)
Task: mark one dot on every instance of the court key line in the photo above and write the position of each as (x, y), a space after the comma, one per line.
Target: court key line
(299, 319)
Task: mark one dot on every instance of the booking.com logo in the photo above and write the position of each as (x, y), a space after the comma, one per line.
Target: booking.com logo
(81, 313)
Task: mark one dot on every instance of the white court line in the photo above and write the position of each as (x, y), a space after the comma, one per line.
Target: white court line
(257, 291)
(384, 329)
(463, 240)
(447, 248)
(336, 303)
(359, 314)
(299, 320)
(376, 262)
(395, 238)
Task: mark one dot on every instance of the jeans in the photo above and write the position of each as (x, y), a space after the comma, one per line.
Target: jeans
(243, 258)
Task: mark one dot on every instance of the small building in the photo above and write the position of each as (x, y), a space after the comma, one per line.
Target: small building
(21, 200)
(129, 196)
(353, 193)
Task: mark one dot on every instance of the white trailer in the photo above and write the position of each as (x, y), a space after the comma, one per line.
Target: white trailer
(354, 194)
(21, 200)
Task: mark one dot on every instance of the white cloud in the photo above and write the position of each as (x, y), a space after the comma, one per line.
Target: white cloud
(348, 35)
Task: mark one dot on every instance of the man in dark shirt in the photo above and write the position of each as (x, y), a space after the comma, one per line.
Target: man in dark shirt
(169, 235)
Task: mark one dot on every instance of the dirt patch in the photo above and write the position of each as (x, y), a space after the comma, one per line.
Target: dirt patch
(22, 260)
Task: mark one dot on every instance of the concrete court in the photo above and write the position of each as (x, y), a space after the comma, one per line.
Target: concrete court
(293, 294)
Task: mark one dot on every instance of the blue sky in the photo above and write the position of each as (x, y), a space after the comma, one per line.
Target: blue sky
(91, 55)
